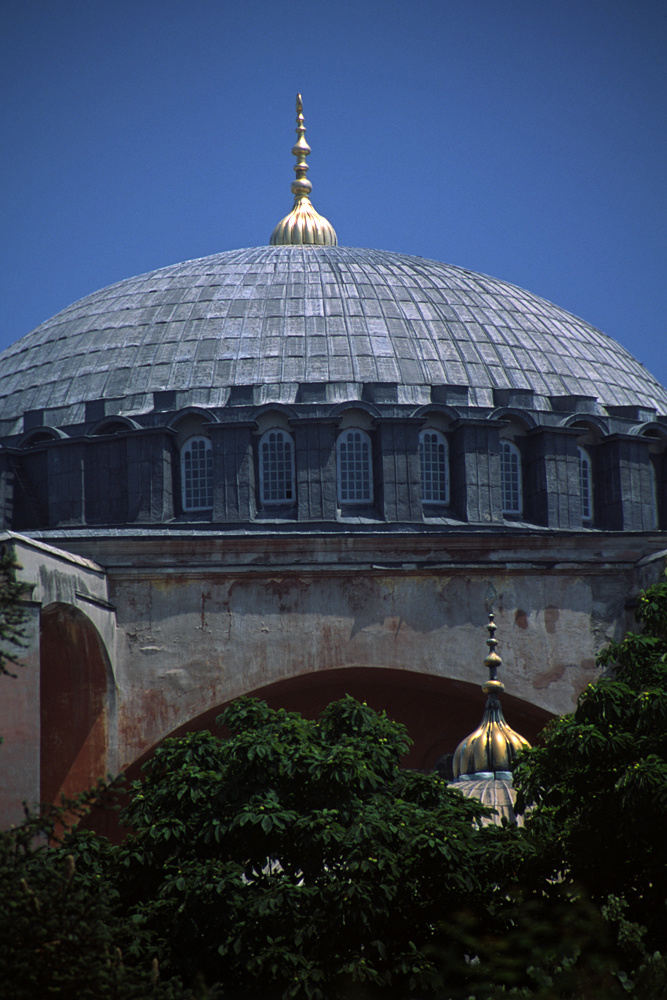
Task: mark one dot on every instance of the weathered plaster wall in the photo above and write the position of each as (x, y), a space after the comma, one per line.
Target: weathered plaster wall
(19, 727)
(196, 642)
(184, 623)
(204, 621)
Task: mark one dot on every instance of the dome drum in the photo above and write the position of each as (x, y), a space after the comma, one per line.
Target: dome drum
(434, 466)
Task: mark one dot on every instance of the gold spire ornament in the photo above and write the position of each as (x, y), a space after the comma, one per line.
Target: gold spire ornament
(490, 751)
(303, 225)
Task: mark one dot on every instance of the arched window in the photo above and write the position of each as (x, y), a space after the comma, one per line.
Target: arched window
(510, 478)
(276, 468)
(434, 463)
(585, 485)
(355, 479)
(197, 474)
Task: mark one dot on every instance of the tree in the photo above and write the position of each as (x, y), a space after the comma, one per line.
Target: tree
(61, 933)
(295, 858)
(597, 787)
(12, 611)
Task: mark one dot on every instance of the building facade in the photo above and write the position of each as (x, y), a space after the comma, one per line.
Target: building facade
(303, 469)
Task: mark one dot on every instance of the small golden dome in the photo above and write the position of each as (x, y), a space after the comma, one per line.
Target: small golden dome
(303, 225)
(491, 750)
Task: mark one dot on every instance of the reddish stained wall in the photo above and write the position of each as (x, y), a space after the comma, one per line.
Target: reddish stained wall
(438, 712)
(197, 642)
(20, 727)
(74, 671)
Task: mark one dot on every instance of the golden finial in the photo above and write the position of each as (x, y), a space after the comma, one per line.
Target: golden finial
(301, 186)
(492, 748)
(303, 225)
(492, 661)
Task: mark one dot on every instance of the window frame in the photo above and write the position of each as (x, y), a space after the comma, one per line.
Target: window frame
(440, 442)
(186, 474)
(509, 450)
(366, 471)
(283, 501)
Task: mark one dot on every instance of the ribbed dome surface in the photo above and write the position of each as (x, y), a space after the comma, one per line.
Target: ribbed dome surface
(288, 315)
(494, 794)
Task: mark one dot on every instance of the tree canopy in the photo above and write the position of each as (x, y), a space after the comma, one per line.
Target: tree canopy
(597, 787)
(297, 855)
(62, 932)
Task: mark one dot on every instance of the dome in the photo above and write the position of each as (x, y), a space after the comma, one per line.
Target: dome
(483, 760)
(498, 795)
(491, 750)
(279, 317)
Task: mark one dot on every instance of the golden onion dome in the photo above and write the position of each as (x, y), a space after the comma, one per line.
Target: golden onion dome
(491, 749)
(303, 225)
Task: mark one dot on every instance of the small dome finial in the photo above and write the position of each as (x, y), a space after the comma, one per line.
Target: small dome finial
(303, 225)
(492, 748)
(492, 661)
(301, 150)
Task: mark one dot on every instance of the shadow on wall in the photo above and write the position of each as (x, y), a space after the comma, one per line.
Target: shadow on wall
(74, 676)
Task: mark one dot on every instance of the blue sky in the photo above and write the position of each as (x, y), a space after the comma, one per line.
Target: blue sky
(519, 138)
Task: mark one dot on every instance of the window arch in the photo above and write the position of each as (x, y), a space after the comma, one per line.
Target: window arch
(38, 438)
(355, 478)
(585, 485)
(276, 468)
(114, 425)
(197, 474)
(510, 478)
(434, 463)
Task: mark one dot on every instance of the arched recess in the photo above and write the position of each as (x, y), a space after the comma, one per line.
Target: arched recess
(438, 712)
(75, 678)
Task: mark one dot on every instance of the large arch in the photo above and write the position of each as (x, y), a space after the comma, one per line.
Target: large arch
(75, 681)
(437, 711)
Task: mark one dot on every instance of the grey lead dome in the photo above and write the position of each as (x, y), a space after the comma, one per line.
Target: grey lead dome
(279, 317)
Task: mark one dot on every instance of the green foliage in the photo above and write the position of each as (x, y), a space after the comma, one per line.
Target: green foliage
(296, 859)
(12, 612)
(61, 934)
(597, 785)
(544, 943)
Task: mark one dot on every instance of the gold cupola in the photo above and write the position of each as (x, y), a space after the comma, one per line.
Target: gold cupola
(303, 225)
(490, 751)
